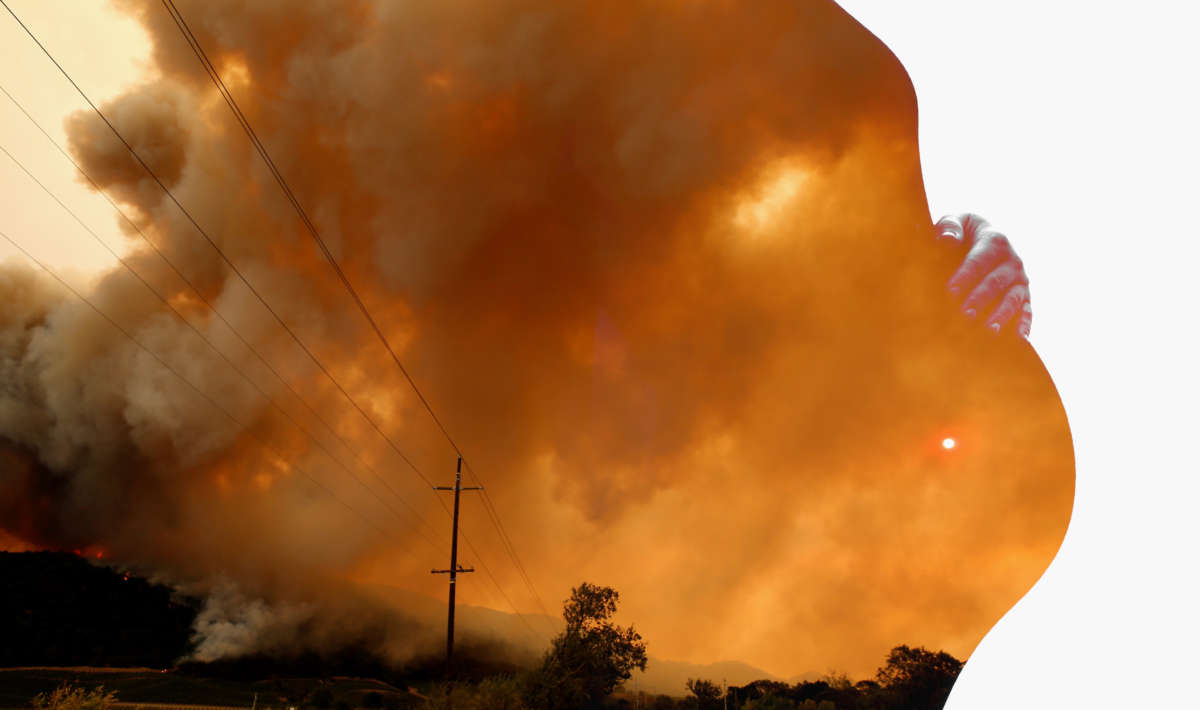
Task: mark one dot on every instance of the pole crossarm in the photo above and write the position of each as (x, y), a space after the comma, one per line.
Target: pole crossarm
(455, 568)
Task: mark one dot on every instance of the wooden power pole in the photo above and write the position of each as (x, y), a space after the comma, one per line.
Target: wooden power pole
(455, 568)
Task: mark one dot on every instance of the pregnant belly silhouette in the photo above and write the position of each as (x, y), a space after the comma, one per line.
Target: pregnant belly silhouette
(762, 398)
(665, 269)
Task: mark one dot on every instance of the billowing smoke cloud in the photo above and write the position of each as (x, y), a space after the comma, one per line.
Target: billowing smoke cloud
(664, 269)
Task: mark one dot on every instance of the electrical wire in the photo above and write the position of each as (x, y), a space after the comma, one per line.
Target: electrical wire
(228, 325)
(215, 76)
(229, 415)
(211, 345)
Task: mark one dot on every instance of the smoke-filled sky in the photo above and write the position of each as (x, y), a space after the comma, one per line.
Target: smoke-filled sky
(665, 271)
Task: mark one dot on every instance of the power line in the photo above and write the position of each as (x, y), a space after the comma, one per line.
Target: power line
(491, 576)
(229, 415)
(316, 361)
(455, 568)
(211, 308)
(249, 430)
(215, 76)
(487, 570)
(213, 347)
(228, 262)
(220, 252)
(494, 515)
(198, 50)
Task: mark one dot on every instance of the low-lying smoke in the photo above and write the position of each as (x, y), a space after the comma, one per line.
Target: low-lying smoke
(663, 268)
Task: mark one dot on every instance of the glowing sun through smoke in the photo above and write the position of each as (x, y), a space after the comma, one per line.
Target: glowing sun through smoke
(598, 261)
(949, 443)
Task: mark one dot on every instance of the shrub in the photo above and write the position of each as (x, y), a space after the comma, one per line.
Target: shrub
(499, 693)
(69, 697)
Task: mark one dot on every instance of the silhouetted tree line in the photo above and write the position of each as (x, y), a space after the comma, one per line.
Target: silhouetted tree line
(910, 679)
(56, 609)
(59, 609)
(593, 656)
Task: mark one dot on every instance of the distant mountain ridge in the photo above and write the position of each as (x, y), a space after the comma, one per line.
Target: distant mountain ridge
(663, 677)
(58, 609)
(61, 609)
(660, 677)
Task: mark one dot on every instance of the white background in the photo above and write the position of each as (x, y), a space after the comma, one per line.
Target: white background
(1072, 126)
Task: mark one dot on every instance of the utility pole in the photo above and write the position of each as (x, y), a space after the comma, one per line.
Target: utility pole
(455, 568)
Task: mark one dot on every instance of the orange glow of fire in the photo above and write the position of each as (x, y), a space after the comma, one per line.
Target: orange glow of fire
(758, 210)
(96, 552)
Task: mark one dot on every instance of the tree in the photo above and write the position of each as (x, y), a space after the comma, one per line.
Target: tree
(837, 680)
(867, 695)
(590, 658)
(706, 693)
(918, 679)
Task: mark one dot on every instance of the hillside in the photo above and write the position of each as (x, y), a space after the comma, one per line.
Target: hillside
(57, 609)
(60, 609)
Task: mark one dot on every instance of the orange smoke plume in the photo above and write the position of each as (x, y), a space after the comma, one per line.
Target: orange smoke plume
(664, 269)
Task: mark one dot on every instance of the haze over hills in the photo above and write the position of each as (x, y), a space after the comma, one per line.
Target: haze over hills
(670, 677)
(660, 677)
(528, 635)
(81, 602)
(630, 282)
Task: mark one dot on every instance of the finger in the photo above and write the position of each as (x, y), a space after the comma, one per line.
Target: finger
(989, 251)
(1025, 322)
(973, 227)
(1009, 308)
(989, 248)
(995, 284)
(949, 229)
